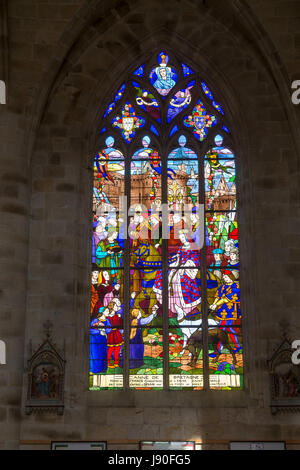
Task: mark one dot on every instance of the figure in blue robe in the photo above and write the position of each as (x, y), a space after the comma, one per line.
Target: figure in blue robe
(164, 82)
(227, 310)
(98, 348)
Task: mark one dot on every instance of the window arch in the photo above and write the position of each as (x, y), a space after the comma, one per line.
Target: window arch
(165, 303)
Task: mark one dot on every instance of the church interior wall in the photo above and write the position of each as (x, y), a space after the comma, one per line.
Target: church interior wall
(64, 60)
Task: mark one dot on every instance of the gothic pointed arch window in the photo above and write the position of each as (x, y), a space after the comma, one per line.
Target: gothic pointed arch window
(165, 303)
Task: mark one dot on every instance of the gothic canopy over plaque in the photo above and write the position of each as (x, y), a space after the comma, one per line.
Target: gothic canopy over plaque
(284, 380)
(46, 371)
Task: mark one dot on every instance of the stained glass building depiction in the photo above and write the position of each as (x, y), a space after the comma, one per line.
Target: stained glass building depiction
(165, 291)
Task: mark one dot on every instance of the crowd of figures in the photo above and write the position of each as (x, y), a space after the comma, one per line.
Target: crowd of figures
(171, 284)
(183, 284)
(146, 295)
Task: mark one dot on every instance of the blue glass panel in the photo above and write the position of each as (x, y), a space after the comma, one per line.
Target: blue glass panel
(218, 107)
(207, 91)
(154, 130)
(186, 70)
(140, 71)
(118, 96)
(174, 129)
(120, 92)
(219, 140)
(111, 106)
(182, 152)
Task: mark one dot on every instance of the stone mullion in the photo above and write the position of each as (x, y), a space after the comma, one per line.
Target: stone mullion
(205, 349)
(165, 289)
(126, 298)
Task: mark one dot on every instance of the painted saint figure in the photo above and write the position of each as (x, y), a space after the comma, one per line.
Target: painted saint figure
(164, 82)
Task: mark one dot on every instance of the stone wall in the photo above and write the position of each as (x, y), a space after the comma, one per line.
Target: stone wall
(64, 57)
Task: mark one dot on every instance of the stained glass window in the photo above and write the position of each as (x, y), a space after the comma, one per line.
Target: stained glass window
(165, 291)
(112, 105)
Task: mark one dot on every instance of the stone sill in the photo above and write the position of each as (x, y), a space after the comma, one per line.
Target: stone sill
(172, 398)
